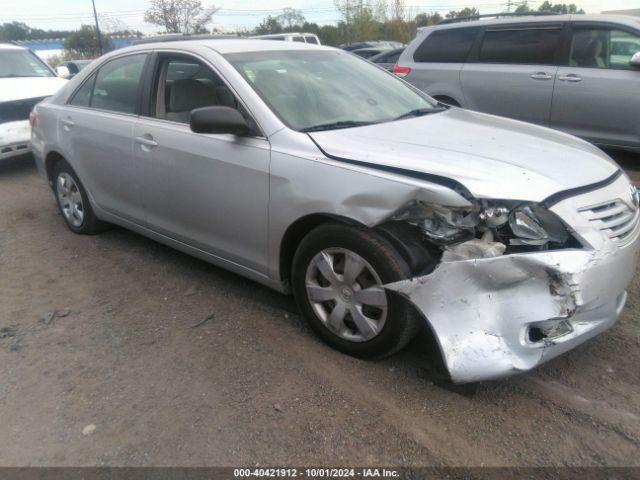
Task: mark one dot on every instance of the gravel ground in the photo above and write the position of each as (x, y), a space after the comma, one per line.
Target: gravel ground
(126, 373)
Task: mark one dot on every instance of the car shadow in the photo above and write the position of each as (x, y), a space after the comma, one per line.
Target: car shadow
(17, 164)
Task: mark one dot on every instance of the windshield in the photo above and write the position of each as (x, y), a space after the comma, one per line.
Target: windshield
(322, 90)
(22, 63)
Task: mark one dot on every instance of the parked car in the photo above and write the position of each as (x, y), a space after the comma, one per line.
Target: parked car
(385, 44)
(291, 37)
(24, 81)
(368, 52)
(71, 68)
(387, 59)
(315, 172)
(568, 72)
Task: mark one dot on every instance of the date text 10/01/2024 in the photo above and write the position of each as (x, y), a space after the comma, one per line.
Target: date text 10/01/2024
(315, 473)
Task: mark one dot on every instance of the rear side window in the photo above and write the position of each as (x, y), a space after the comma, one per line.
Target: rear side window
(298, 39)
(82, 97)
(529, 46)
(116, 86)
(447, 46)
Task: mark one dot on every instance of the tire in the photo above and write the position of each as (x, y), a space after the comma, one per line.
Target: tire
(447, 101)
(73, 202)
(389, 328)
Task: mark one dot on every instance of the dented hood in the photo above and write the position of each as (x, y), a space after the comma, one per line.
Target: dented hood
(492, 157)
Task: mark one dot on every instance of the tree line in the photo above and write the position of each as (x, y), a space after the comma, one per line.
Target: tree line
(360, 20)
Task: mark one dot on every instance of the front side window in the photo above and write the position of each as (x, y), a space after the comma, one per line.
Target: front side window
(116, 86)
(603, 48)
(447, 46)
(311, 39)
(183, 84)
(22, 63)
(527, 46)
(322, 90)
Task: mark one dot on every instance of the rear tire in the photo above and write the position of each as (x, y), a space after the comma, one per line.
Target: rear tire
(447, 101)
(73, 202)
(351, 311)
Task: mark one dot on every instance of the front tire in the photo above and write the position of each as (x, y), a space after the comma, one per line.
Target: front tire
(73, 202)
(337, 278)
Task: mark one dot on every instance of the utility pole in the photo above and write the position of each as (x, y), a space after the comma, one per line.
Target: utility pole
(95, 16)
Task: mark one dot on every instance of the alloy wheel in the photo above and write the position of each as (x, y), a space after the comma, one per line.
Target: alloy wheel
(70, 199)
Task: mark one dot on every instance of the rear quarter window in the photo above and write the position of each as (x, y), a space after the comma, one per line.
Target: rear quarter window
(447, 46)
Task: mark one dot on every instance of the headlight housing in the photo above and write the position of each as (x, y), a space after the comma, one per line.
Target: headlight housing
(518, 225)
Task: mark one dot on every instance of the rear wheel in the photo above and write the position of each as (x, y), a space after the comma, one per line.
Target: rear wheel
(447, 101)
(73, 202)
(338, 276)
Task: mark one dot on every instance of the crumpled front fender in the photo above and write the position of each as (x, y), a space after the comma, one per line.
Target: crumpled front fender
(481, 309)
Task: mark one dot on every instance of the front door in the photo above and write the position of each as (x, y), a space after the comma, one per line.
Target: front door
(210, 191)
(597, 95)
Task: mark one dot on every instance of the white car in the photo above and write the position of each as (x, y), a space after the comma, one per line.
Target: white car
(24, 81)
(290, 37)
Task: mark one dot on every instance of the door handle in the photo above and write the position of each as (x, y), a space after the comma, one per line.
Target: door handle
(541, 76)
(571, 77)
(67, 124)
(147, 141)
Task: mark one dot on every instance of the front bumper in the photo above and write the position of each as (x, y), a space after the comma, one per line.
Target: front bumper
(14, 139)
(494, 317)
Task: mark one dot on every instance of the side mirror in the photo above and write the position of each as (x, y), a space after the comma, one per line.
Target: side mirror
(218, 120)
(635, 61)
(63, 71)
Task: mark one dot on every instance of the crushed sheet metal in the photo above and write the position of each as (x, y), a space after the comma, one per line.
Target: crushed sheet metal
(479, 309)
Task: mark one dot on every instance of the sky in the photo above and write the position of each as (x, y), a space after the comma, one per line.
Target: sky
(238, 14)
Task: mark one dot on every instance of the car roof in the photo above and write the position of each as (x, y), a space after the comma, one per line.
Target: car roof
(281, 34)
(624, 19)
(11, 46)
(223, 46)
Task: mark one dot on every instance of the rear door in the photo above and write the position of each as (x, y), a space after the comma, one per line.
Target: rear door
(597, 94)
(96, 131)
(512, 71)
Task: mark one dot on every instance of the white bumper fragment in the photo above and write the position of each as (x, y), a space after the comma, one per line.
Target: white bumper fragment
(14, 139)
(482, 311)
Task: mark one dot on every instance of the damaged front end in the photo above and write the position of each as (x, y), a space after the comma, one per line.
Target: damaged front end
(511, 285)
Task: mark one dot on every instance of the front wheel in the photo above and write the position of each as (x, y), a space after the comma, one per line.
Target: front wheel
(338, 278)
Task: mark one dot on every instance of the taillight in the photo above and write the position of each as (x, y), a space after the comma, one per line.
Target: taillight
(33, 119)
(401, 71)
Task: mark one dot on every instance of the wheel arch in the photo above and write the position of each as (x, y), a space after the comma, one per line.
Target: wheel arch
(296, 232)
(52, 158)
(448, 99)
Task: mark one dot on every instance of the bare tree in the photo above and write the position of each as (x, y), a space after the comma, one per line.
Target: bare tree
(111, 24)
(180, 16)
(290, 17)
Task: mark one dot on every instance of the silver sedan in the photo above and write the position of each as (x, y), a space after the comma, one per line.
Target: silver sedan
(384, 212)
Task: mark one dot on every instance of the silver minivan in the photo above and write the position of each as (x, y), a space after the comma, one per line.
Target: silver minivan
(317, 173)
(575, 73)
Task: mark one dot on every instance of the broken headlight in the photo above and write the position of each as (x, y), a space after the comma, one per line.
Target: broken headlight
(512, 223)
(534, 225)
(442, 225)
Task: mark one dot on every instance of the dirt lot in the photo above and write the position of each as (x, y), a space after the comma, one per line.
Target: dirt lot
(125, 378)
